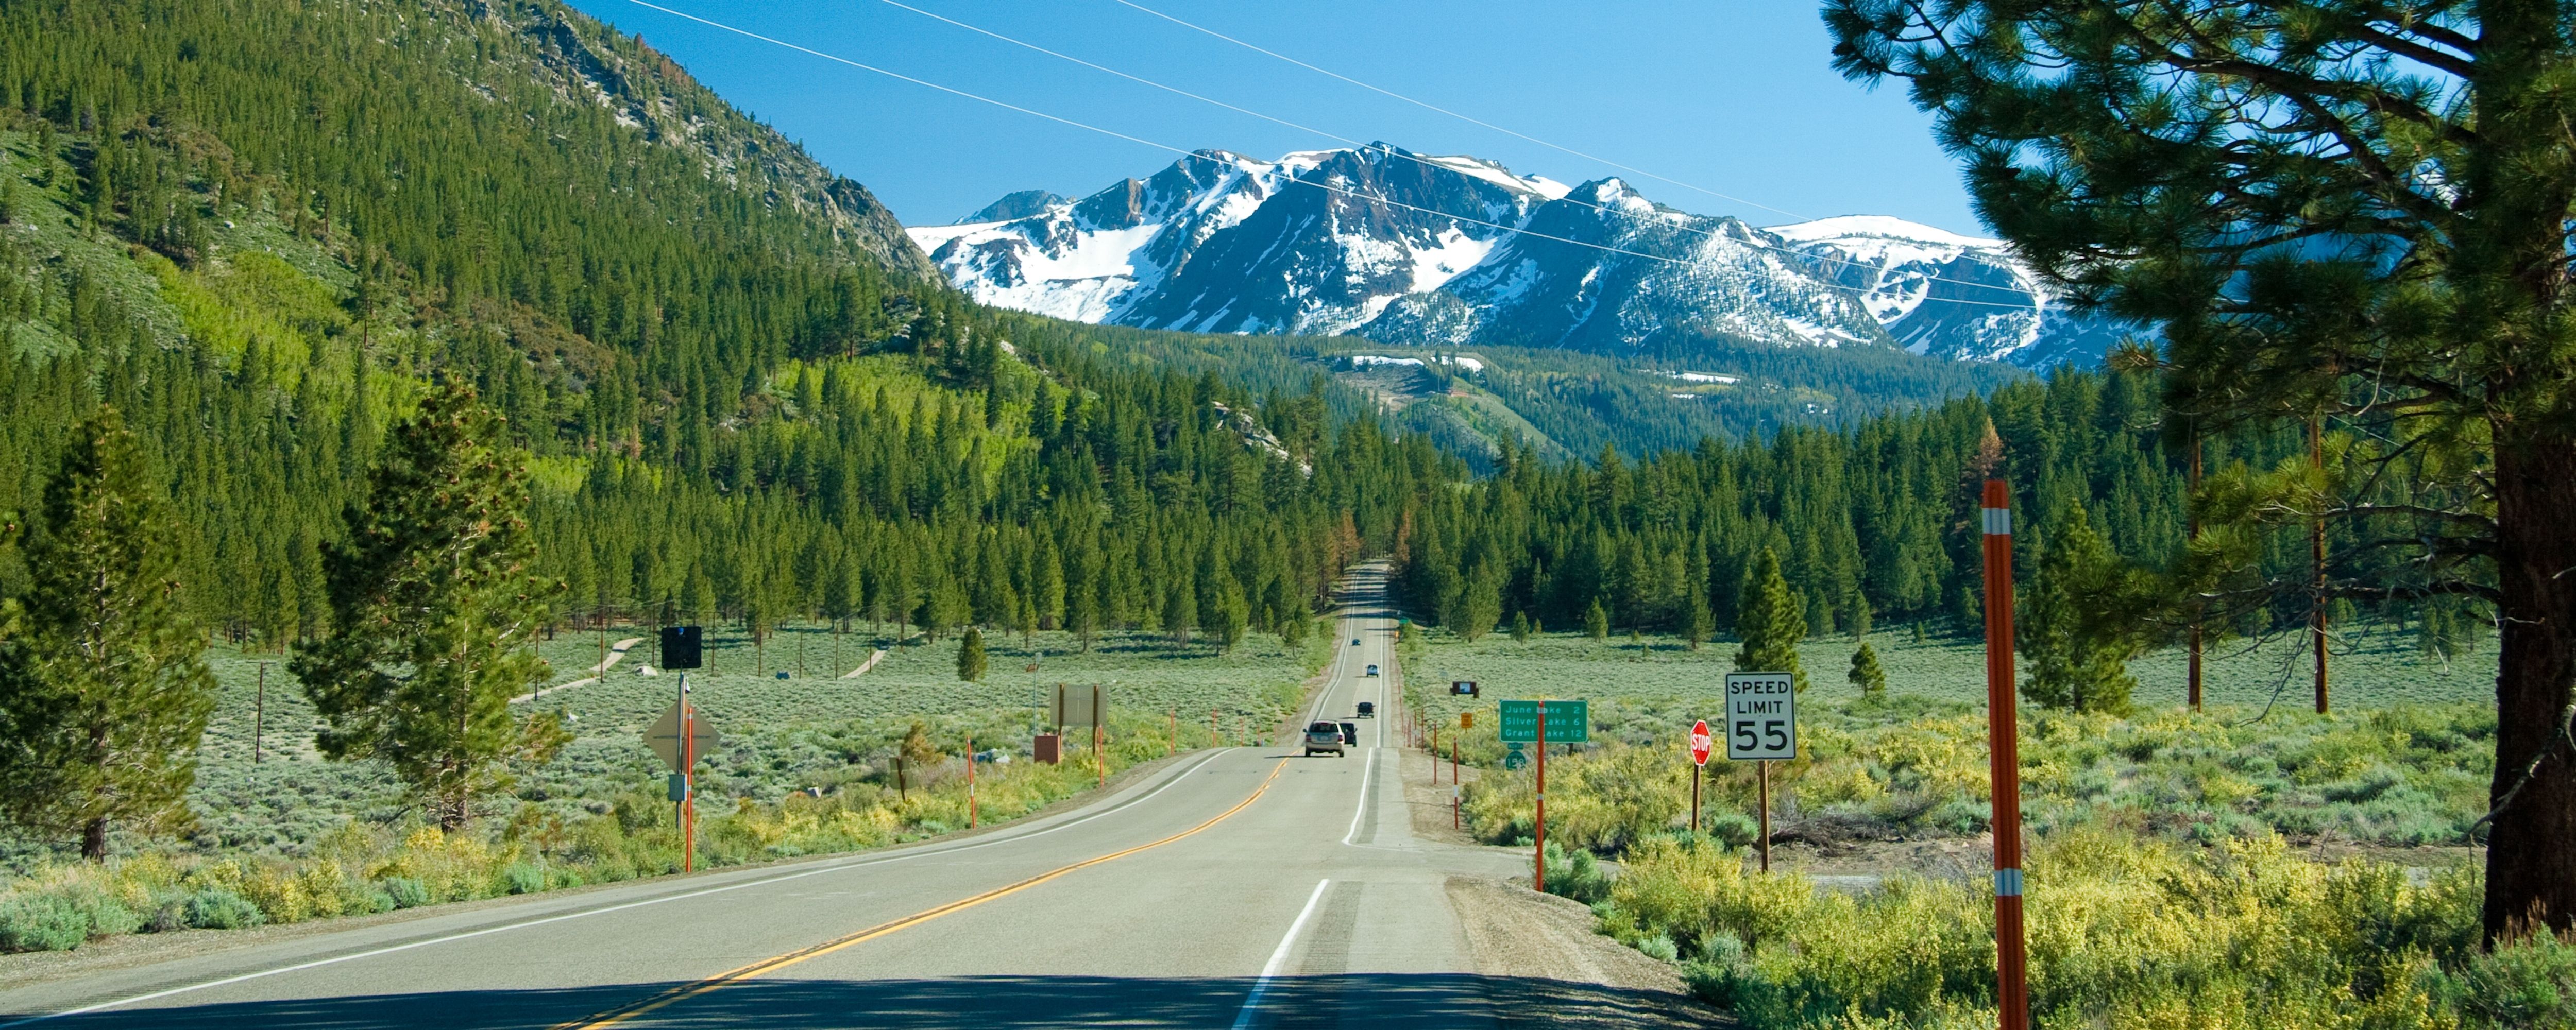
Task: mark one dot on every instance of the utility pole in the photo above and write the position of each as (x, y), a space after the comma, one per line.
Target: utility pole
(2317, 555)
(259, 713)
(2192, 532)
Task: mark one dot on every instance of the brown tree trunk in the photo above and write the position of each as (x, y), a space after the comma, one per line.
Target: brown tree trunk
(2531, 849)
(94, 840)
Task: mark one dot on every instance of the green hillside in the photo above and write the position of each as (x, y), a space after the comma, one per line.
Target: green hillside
(260, 231)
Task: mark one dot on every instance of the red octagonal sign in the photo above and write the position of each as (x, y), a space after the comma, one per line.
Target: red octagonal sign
(1699, 742)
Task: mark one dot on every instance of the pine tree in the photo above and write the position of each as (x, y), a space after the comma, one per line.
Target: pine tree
(2173, 175)
(970, 656)
(435, 603)
(1697, 622)
(2078, 658)
(1772, 622)
(1866, 673)
(1520, 626)
(103, 695)
(1596, 621)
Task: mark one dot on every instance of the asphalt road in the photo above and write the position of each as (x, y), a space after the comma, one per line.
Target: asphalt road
(1234, 888)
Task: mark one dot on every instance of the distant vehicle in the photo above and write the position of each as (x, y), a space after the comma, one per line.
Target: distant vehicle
(1372, 670)
(1351, 733)
(1324, 736)
(1355, 641)
(1368, 709)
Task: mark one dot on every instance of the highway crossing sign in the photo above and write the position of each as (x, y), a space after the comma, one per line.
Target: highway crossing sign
(1761, 716)
(1568, 722)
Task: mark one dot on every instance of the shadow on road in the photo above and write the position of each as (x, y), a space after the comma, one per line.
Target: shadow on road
(1418, 1002)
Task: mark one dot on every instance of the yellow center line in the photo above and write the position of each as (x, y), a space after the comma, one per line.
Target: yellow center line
(767, 966)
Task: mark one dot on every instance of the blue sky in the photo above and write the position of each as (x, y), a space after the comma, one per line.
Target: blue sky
(1734, 96)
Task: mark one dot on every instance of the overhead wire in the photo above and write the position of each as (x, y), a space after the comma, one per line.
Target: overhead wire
(1195, 27)
(1185, 153)
(1427, 162)
(1139, 139)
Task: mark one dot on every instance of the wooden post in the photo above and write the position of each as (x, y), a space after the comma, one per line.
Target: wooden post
(2003, 730)
(2192, 532)
(259, 713)
(2317, 557)
(1539, 879)
(1175, 747)
(1764, 770)
(1696, 770)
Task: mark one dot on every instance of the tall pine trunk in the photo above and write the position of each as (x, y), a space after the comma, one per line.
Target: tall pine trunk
(2531, 850)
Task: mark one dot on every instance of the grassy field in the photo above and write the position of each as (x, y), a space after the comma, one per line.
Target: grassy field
(780, 735)
(2403, 761)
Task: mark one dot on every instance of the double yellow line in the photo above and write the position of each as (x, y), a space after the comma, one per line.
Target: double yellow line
(766, 966)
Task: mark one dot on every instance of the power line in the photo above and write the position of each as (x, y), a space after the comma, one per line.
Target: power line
(1425, 162)
(1371, 198)
(1453, 114)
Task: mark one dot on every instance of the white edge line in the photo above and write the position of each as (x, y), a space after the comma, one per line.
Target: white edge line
(1366, 772)
(801, 874)
(1278, 958)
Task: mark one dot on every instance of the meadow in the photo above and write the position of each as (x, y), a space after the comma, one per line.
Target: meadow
(806, 766)
(2183, 871)
(2403, 761)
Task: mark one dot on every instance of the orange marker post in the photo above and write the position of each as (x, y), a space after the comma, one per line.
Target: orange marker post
(1539, 860)
(2003, 730)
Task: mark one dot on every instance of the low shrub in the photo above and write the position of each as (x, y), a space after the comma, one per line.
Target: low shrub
(1580, 876)
(41, 922)
(2124, 932)
(220, 909)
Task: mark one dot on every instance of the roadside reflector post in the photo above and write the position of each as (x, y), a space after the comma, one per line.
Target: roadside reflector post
(2004, 747)
(1099, 735)
(1176, 733)
(970, 782)
(1539, 879)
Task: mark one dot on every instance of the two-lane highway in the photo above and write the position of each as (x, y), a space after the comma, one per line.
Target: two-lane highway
(1239, 887)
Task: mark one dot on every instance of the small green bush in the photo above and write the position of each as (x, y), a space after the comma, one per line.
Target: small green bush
(2525, 985)
(1579, 877)
(406, 892)
(524, 878)
(42, 922)
(220, 909)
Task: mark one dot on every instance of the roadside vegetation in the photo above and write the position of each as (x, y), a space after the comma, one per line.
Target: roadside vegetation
(2236, 867)
(807, 767)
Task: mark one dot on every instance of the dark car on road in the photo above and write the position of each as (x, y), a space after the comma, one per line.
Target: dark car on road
(1372, 670)
(1368, 710)
(1351, 733)
(1324, 736)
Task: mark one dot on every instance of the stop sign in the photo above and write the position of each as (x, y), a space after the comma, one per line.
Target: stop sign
(1699, 742)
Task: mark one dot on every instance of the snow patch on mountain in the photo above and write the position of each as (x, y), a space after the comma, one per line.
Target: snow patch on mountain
(1445, 251)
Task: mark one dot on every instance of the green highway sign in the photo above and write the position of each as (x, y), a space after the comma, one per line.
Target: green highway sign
(1568, 722)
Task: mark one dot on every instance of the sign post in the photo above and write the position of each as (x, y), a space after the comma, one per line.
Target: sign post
(1699, 749)
(1762, 728)
(678, 737)
(1526, 722)
(2003, 730)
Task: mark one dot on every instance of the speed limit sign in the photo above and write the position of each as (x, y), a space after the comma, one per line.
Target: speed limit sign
(1761, 716)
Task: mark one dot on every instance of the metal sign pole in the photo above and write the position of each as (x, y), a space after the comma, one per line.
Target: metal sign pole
(688, 779)
(2003, 730)
(1695, 777)
(1765, 769)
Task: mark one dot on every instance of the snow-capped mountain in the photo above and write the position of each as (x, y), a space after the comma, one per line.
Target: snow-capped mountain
(1416, 249)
